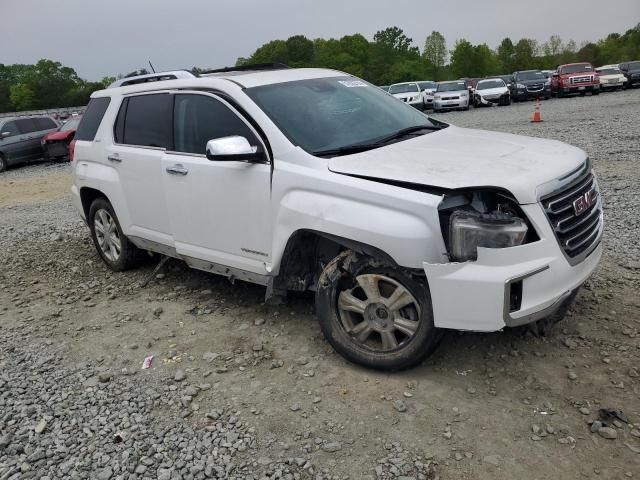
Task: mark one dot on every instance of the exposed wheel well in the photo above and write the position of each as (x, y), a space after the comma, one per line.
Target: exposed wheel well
(308, 252)
(87, 196)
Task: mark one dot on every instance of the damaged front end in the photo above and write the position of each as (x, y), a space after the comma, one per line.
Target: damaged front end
(506, 267)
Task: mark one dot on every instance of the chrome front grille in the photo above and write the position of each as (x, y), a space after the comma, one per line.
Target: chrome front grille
(537, 87)
(584, 79)
(575, 214)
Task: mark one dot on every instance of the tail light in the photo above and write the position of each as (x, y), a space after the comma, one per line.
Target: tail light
(72, 150)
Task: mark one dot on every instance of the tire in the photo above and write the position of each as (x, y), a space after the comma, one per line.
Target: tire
(346, 310)
(595, 92)
(3, 163)
(103, 218)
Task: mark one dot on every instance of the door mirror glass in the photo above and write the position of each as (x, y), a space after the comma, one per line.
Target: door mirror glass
(5, 134)
(232, 148)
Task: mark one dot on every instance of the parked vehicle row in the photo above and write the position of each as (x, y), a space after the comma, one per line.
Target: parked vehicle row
(29, 138)
(575, 78)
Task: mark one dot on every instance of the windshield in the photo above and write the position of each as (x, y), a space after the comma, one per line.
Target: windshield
(531, 75)
(451, 86)
(70, 125)
(581, 67)
(634, 66)
(486, 84)
(428, 85)
(609, 71)
(332, 113)
(404, 88)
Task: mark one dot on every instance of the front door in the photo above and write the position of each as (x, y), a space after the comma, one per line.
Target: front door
(219, 210)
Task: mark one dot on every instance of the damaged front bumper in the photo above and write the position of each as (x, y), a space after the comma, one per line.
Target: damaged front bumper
(507, 287)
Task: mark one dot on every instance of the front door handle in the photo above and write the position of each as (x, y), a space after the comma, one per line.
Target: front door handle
(177, 170)
(114, 158)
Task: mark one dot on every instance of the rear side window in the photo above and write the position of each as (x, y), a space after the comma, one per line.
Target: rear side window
(147, 121)
(91, 119)
(199, 118)
(26, 125)
(45, 123)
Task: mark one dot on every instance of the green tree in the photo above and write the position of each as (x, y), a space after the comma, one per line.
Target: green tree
(524, 53)
(462, 59)
(300, 51)
(274, 51)
(435, 51)
(22, 97)
(505, 55)
(395, 39)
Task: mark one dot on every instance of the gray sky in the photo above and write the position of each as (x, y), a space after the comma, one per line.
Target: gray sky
(106, 37)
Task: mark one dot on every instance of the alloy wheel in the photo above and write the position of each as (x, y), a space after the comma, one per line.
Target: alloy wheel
(379, 313)
(107, 235)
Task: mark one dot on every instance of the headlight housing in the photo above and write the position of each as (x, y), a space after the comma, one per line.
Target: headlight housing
(520, 85)
(470, 230)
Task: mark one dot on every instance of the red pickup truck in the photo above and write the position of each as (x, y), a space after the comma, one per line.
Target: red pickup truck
(575, 78)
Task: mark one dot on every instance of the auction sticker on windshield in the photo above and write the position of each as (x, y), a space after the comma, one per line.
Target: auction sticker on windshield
(352, 83)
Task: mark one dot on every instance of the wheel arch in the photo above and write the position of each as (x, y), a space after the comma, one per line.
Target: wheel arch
(87, 196)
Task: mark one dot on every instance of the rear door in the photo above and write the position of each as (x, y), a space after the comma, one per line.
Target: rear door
(30, 139)
(143, 132)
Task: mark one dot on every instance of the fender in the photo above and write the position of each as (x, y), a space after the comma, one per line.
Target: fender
(400, 222)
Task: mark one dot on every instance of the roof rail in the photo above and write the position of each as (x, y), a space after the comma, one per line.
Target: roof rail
(152, 77)
(248, 68)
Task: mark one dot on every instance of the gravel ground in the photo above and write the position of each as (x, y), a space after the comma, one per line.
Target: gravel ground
(239, 389)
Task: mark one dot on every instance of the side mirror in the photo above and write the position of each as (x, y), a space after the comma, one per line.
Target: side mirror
(5, 134)
(234, 148)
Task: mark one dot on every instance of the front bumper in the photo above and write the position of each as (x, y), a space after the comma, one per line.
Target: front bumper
(527, 93)
(450, 104)
(580, 88)
(476, 295)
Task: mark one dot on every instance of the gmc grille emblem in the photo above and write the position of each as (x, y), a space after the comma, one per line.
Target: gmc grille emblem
(584, 202)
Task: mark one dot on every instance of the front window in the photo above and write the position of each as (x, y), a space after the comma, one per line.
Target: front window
(451, 87)
(487, 84)
(533, 75)
(404, 88)
(325, 114)
(609, 71)
(70, 125)
(428, 85)
(579, 68)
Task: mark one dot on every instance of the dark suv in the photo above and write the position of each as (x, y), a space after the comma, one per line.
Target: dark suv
(530, 84)
(631, 70)
(20, 139)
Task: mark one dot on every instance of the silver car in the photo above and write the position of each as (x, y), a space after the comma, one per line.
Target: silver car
(451, 96)
(20, 139)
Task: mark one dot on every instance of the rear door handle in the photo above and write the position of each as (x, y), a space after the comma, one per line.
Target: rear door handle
(177, 170)
(114, 158)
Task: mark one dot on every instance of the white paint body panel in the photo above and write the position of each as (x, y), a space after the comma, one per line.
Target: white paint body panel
(241, 216)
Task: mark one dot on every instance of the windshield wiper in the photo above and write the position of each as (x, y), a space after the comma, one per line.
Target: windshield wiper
(362, 147)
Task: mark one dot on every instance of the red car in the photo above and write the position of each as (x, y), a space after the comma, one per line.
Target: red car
(55, 145)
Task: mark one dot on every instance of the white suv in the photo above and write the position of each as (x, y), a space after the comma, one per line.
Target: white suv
(311, 179)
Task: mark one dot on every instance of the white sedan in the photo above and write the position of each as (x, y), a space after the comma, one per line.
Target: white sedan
(491, 91)
(409, 93)
(611, 77)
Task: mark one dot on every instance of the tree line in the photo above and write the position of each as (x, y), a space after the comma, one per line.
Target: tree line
(390, 57)
(393, 57)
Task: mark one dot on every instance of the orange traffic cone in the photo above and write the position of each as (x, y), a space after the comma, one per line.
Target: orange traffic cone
(537, 115)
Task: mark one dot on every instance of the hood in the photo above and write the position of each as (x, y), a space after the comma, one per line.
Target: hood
(406, 95)
(461, 158)
(59, 135)
(492, 91)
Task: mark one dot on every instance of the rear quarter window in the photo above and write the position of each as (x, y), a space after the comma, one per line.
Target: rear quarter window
(91, 119)
(45, 123)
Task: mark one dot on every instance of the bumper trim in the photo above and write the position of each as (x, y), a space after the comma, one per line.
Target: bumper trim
(509, 321)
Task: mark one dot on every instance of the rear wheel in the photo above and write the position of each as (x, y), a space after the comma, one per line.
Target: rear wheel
(374, 315)
(595, 92)
(3, 163)
(115, 249)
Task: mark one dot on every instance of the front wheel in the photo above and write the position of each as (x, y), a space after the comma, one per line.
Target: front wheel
(374, 315)
(115, 249)
(3, 163)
